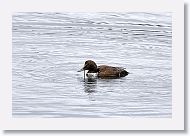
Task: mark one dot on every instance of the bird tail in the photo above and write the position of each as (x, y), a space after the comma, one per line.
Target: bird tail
(124, 73)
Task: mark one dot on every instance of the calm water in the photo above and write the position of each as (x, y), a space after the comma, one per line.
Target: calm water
(49, 48)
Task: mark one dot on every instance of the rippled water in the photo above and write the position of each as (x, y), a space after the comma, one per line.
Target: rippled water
(49, 48)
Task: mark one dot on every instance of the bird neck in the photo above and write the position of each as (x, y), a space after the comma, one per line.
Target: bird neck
(92, 70)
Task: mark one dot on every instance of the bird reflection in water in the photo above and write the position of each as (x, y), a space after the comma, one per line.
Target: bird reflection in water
(90, 86)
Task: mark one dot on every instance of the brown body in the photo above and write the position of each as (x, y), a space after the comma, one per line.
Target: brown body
(109, 71)
(104, 71)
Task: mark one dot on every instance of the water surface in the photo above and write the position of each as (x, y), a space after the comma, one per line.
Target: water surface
(49, 49)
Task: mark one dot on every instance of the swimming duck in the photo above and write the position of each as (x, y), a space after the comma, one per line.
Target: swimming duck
(103, 71)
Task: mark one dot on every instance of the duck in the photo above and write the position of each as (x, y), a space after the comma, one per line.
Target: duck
(103, 71)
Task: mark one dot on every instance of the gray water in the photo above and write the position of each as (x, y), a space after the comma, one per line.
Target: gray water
(49, 48)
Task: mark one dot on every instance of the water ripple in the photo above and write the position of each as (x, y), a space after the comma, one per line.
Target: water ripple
(48, 49)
